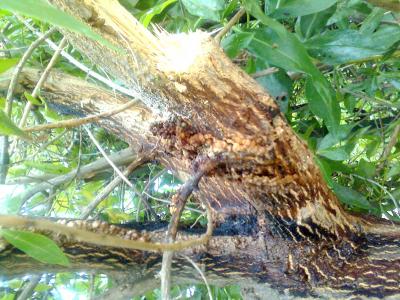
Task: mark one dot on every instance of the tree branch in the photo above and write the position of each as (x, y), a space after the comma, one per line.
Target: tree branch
(143, 158)
(230, 24)
(4, 141)
(178, 203)
(120, 158)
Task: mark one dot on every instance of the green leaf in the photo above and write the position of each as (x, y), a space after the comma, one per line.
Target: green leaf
(331, 140)
(253, 8)
(208, 9)
(348, 9)
(7, 63)
(41, 287)
(236, 42)
(343, 46)
(325, 168)
(309, 25)
(334, 153)
(372, 21)
(323, 102)
(7, 127)
(293, 8)
(156, 10)
(50, 168)
(43, 11)
(351, 197)
(279, 85)
(394, 170)
(286, 53)
(36, 246)
(281, 48)
(32, 99)
(366, 169)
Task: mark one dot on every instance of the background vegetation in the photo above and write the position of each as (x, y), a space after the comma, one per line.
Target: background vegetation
(332, 65)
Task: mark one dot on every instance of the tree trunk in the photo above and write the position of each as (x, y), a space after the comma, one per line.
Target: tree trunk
(289, 229)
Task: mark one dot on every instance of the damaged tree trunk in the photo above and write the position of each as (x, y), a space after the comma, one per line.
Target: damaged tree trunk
(289, 229)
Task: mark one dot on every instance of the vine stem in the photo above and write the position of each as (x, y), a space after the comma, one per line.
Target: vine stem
(229, 25)
(178, 203)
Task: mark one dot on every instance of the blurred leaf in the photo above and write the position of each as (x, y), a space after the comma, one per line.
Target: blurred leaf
(394, 170)
(36, 246)
(158, 9)
(7, 63)
(281, 48)
(235, 42)
(42, 10)
(50, 168)
(115, 215)
(7, 127)
(323, 102)
(351, 197)
(372, 21)
(373, 146)
(334, 153)
(294, 8)
(309, 25)
(366, 169)
(10, 204)
(230, 9)
(348, 9)
(32, 99)
(286, 53)
(342, 46)
(331, 140)
(208, 9)
(325, 168)
(278, 85)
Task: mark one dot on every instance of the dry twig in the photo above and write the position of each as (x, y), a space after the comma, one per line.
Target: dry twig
(41, 81)
(81, 121)
(178, 203)
(229, 25)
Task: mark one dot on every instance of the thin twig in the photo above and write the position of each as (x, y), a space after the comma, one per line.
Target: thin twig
(81, 121)
(386, 152)
(83, 67)
(201, 274)
(383, 188)
(18, 69)
(145, 202)
(111, 186)
(169, 202)
(120, 174)
(100, 148)
(229, 25)
(265, 72)
(41, 81)
(100, 239)
(178, 203)
(30, 288)
(4, 142)
(152, 180)
(120, 158)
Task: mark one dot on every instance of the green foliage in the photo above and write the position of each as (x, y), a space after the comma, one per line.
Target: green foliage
(42, 10)
(36, 245)
(7, 63)
(347, 45)
(208, 9)
(7, 127)
(297, 8)
(281, 48)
